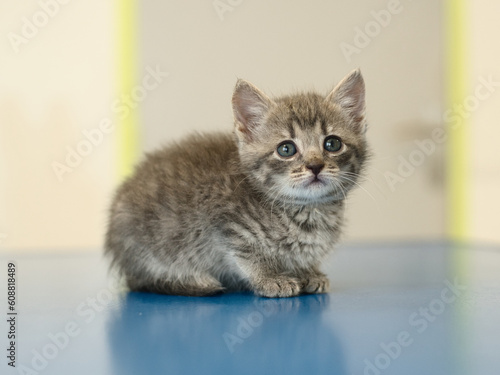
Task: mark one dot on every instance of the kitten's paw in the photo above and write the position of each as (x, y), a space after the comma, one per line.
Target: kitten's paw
(279, 286)
(316, 284)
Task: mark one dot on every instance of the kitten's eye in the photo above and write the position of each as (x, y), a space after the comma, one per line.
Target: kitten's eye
(287, 149)
(332, 143)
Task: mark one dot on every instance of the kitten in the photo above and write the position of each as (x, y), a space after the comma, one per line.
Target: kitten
(256, 210)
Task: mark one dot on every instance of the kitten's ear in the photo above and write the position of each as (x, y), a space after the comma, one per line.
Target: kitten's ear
(349, 94)
(250, 106)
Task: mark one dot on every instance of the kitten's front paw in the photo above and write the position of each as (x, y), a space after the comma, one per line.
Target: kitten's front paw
(316, 284)
(278, 286)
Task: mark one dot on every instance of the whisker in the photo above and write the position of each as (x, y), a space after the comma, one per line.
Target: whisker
(243, 179)
(278, 191)
(338, 184)
(362, 188)
(365, 178)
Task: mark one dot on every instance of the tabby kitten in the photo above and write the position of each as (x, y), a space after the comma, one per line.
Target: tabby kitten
(256, 210)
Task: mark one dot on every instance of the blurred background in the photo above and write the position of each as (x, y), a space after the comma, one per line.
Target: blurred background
(87, 86)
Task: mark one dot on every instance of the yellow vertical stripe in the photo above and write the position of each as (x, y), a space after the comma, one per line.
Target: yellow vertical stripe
(457, 156)
(127, 129)
(457, 179)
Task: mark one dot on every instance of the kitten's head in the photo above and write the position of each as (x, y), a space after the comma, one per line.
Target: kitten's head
(303, 148)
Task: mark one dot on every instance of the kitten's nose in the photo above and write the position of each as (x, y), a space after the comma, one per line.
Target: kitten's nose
(315, 168)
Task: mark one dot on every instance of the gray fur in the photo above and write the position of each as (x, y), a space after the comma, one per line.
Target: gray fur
(222, 212)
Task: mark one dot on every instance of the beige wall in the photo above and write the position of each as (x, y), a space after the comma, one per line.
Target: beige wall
(59, 81)
(484, 123)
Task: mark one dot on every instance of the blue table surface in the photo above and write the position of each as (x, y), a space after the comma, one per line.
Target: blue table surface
(394, 309)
